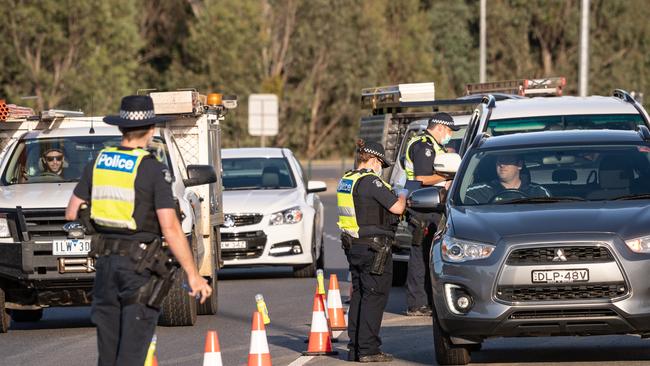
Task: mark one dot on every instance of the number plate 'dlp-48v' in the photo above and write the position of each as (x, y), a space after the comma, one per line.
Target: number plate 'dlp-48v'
(560, 276)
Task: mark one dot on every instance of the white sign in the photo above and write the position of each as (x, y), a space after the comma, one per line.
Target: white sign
(263, 114)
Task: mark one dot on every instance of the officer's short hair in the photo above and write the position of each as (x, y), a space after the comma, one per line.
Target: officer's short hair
(134, 133)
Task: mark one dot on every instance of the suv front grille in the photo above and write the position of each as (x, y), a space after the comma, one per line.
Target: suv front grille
(44, 223)
(255, 242)
(550, 255)
(562, 313)
(562, 292)
(243, 220)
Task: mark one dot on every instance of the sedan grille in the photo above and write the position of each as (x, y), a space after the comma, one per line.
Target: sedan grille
(232, 220)
(563, 292)
(560, 255)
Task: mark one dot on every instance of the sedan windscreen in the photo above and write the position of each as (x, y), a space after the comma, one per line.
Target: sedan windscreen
(256, 173)
(570, 122)
(554, 174)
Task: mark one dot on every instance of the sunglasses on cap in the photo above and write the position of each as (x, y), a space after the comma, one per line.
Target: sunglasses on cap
(52, 158)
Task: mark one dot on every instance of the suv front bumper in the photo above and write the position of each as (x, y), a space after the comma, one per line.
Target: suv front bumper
(624, 312)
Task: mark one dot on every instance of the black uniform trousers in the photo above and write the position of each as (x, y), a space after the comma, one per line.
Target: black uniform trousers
(369, 298)
(123, 332)
(418, 278)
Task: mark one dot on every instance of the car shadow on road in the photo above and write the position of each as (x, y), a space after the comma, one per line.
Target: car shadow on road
(254, 273)
(58, 318)
(563, 349)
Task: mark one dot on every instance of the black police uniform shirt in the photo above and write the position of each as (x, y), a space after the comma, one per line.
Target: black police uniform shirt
(422, 155)
(372, 200)
(152, 192)
(483, 193)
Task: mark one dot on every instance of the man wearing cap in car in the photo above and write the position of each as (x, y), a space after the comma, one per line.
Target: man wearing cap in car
(131, 207)
(421, 153)
(366, 205)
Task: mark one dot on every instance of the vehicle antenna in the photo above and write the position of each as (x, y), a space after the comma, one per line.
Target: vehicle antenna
(92, 115)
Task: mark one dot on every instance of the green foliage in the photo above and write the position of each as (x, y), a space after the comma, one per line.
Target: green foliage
(315, 55)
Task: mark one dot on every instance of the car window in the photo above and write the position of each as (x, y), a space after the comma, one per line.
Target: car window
(29, 159)
(573, 122)
(585, 172)
(256, 173)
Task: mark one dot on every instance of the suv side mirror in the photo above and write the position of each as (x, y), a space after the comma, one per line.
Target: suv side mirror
(447, 163)
(426, 199)
(315, 186)
(199, 174)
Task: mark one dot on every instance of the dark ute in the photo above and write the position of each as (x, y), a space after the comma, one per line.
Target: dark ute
(199, 175)
(426, 199)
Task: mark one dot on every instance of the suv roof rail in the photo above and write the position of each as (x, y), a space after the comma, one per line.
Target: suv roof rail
(525, 87)
(489, 100)
(644, 132)
(623, 95)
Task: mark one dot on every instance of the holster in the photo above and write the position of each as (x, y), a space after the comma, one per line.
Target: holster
(381, 246)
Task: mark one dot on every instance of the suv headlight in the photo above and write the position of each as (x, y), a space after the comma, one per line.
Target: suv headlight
(639, 245)
(292, 215)
(457, 250)
(4, 228)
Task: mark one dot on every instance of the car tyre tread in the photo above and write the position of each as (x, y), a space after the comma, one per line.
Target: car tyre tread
(178, 308)
(446, 352)
(5, 319)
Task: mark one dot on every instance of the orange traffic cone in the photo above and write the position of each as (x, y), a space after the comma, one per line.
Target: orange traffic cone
(335, 306)
(320, 342)
(212, 355)
(259, 351)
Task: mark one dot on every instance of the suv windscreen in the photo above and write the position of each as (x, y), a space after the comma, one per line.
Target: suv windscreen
(557, 173)
(62, 159)
(256, 173)
(571, 122)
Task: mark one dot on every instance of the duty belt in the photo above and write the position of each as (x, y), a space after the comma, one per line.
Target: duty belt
(121, 247)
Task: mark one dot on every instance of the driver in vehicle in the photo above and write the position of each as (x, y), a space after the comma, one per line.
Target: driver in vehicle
(508, 185)
(52, 162)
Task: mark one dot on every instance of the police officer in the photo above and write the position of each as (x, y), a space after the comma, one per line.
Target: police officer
(365, 204)
(131, 206)
(509, 184)
(419, 165)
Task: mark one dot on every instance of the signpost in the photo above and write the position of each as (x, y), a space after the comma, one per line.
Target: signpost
(263, 115)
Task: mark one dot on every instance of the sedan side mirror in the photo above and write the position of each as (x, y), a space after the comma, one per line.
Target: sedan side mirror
(199, 174)
(426, 200)
(315, 186)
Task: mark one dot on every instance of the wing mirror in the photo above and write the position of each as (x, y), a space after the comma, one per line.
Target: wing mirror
(426, 199)
(315, 186)
(199, 174)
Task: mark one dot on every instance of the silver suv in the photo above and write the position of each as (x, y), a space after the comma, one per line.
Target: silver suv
(564, 252)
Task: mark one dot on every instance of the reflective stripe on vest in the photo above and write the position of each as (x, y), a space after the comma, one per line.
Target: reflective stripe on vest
(408, 164)
(113, 193)
(344, 196)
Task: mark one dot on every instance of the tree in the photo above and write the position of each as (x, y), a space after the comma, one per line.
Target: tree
(74, 54)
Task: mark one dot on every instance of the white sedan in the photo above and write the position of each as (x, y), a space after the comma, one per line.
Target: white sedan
(273, 215)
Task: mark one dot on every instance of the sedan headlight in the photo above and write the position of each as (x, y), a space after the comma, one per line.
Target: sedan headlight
(639, 245)
(4, 228)
(292, 215)
(457, 250)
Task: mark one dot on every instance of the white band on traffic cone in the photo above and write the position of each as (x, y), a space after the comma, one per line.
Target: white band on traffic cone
(258, 342)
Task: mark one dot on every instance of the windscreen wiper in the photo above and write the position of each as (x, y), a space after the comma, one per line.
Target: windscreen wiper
(641, 196)
(541, 200)
(241, 188)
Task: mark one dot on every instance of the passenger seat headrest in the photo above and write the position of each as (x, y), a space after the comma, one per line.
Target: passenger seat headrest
(564, 175)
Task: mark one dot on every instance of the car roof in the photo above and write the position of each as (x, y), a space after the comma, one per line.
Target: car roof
(560, 106)
(530, 139)
(75, 128)
(254, 152)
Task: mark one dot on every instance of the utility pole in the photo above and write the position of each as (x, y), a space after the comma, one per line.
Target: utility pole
(482, 58)
(584, 49)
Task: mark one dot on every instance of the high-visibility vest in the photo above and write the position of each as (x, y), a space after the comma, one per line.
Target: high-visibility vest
(113, 187)
(344, 196)
(423, 137)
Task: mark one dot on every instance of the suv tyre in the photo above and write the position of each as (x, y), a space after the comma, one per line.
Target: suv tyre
(446, 352)
(178, 309)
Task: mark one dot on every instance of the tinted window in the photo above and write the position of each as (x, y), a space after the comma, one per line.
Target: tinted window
(257, 173)
(575, 122)
(584, 172)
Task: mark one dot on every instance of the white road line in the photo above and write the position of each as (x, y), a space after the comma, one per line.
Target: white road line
(300, 361)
